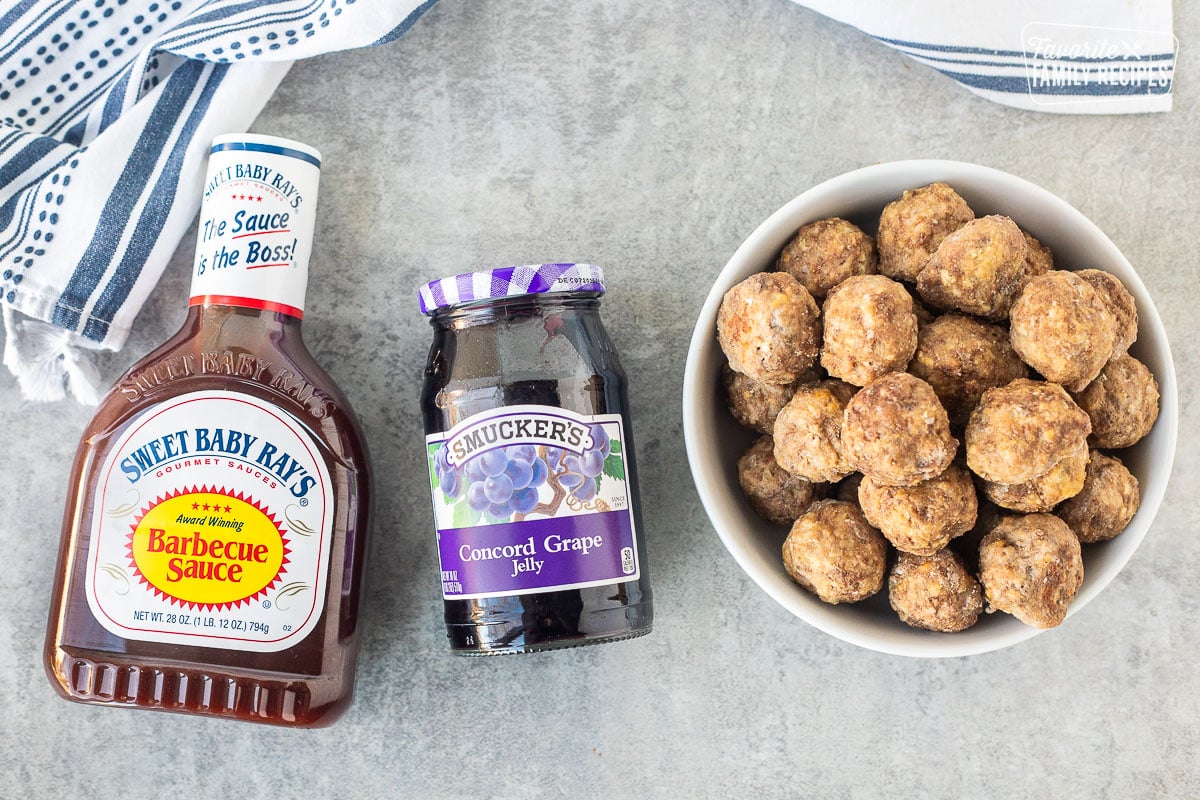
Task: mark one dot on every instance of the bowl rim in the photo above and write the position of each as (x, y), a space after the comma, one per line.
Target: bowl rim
(706, 476)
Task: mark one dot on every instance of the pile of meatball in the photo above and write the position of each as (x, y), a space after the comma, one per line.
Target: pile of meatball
(941, 409)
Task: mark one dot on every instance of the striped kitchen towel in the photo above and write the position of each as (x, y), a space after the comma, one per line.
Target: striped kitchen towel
(106, 111)
(107, 108)
(1072, 57)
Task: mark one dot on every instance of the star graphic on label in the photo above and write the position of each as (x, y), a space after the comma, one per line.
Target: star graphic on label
(195, 506)
(228, 509)
(206, 506)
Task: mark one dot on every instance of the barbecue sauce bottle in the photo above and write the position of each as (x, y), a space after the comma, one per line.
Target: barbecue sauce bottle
(215, 528)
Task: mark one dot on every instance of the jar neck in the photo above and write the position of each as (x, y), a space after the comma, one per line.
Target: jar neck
(485, 312)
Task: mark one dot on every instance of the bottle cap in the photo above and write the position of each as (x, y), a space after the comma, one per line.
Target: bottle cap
(471, 287)
(256, 223)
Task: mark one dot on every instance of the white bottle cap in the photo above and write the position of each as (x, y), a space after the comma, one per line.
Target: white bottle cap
(256, 223)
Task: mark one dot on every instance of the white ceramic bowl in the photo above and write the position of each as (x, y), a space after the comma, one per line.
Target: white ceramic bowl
(714, 441)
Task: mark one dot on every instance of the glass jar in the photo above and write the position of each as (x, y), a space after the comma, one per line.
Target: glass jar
(531, 463)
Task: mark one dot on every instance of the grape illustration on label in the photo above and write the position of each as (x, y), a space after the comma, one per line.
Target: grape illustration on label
(512, 482)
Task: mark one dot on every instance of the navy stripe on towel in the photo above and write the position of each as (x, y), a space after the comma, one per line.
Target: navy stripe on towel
(128, 190)
(150, 224)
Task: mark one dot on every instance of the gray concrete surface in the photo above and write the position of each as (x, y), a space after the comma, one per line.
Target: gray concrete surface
(650, 138)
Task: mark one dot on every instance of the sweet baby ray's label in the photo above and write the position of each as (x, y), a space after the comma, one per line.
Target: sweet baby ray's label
(213, 527)
(256, 224)
(531, 499)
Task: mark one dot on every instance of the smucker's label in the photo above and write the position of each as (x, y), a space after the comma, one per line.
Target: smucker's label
(214, 527)
(529, 499)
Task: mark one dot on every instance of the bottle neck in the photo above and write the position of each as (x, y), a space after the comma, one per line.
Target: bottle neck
(243, 323)
(267, 302)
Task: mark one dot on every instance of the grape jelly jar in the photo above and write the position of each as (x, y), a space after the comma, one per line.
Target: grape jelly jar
(531, 463)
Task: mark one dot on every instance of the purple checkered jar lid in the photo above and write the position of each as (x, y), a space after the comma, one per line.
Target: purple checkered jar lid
(495, 284)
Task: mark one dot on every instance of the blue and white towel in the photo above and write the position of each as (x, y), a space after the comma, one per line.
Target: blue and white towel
(107, 107)
(106, 111)
(1073, 57)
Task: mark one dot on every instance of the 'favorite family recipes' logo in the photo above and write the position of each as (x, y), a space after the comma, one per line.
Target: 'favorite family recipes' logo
(1076, 63)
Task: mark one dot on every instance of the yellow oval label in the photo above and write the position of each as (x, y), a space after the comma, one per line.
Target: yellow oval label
(208, 548)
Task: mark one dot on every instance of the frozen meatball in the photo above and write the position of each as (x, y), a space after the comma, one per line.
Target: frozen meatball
(921, 519)
(1038, 258)
(1019, 431)
(1109, 499)
(1043, 493)
(822, 254)
(913, 226)
(934, 592)
(977, 269)
(768, 327)
(896, 432)
(1120, 302)
(808, 432)
(961, 357)
(775, 494)
(1031, 566)
(1062, 327)
(755, 404)
(870, 329)
(832, 552)
(1122, 403)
